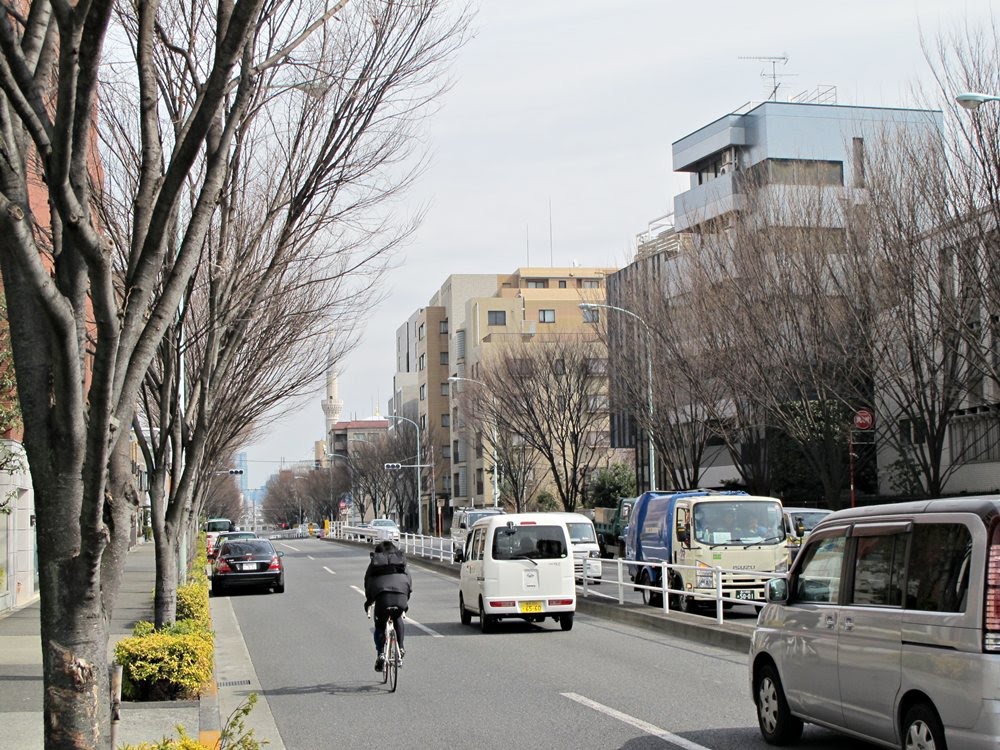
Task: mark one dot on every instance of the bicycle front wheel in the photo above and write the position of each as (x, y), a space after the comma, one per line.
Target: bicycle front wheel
(392, 664)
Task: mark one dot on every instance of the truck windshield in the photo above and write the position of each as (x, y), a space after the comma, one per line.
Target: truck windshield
(581, 533)
(738, 522)
(529, 542)
(217, 524)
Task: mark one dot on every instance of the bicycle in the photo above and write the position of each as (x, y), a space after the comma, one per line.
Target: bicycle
(392, 659)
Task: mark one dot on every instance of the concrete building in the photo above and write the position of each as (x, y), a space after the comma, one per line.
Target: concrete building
(447, 338)
(785, 144)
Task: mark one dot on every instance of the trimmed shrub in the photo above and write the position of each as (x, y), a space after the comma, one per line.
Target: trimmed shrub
(169, 664)
(192, 602)
(235, 735)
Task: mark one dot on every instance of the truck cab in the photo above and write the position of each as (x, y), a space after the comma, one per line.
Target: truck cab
(699, 531)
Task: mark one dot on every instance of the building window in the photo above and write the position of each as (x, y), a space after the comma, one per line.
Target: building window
(423, 391)
(421, 362)
(443, 358)
(456, 454)
(537, 283)
(597, 402)
(597, 365)
(444, 388)
(858, 162)
(591, 315)
(562, 283)
(546, 316)
(420, 332)
(443, 326)
(479, 481)
(446, 452)
(446, 420)
(590, 283)
(496, 318)
(423, 421)
(460, 344)
(479, 445)
(813, 172)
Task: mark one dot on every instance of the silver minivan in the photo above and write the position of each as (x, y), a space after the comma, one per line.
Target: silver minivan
(887, 628)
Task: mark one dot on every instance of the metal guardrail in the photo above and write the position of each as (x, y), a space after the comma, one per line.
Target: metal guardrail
(441, 548)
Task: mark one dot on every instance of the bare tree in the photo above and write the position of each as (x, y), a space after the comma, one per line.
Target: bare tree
(302, 237)
(555, 396)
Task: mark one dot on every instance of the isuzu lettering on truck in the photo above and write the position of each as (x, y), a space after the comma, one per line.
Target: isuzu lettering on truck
(703, 530)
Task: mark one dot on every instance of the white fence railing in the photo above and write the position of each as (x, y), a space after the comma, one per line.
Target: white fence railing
(440, 548)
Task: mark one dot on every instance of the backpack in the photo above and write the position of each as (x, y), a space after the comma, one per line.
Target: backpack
(384, 563)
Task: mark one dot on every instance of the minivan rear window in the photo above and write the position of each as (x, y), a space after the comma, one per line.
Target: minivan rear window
(529, 542)
(938, 576)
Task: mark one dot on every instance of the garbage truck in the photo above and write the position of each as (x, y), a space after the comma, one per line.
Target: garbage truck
(610, 525)
(703, 530)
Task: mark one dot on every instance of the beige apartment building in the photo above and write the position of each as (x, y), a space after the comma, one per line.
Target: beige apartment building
(449, 337)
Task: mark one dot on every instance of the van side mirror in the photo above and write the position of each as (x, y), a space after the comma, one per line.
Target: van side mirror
(776, 590)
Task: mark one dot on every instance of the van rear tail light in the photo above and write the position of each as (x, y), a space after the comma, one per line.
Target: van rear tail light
(560, 602)
(502, 603)
(991, 626)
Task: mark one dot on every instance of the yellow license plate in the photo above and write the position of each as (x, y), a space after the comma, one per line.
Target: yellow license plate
(529, 607)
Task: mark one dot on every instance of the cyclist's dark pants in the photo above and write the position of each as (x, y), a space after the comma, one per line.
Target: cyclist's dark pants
(383, 602)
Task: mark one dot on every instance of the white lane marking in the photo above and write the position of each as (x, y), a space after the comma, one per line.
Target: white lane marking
(426, 629)
(310, 557)
(333, 573)
(294, 549)
(639, 724)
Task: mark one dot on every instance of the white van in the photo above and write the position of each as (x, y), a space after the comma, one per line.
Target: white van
(583, 539)
(517, 565)
(462, 521)
(887, 628)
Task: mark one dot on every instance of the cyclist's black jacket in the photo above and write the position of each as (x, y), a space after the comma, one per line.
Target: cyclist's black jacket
(387, 573)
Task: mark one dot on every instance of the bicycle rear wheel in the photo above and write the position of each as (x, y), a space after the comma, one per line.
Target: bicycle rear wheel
(392, 662)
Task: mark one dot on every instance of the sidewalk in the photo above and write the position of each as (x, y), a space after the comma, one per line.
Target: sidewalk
(21, 689)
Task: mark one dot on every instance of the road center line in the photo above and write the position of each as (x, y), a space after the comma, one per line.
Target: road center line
(294, 549)
(639, 724)
(331, 572)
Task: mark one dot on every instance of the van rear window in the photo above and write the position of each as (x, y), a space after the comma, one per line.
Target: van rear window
(529, 543)
(938, 575)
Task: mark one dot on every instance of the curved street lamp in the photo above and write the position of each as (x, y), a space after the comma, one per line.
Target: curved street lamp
(649, 381)
(973, 100)
(416, 466)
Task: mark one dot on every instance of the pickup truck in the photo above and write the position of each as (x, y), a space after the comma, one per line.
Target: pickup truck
(610, 525)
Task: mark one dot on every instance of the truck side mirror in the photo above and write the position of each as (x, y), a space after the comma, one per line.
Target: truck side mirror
(683, 533)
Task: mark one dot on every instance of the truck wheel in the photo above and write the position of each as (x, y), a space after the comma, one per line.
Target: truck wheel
(566, 621)
(651, 598)
(464, 614)
(777, 725)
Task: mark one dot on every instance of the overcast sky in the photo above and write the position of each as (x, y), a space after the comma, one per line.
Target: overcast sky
(576, 103)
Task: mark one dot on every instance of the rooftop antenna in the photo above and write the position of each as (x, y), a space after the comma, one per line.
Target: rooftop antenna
(551, 259)
(774, 75)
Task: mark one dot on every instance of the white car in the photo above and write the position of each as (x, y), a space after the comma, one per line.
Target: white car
(384, 530)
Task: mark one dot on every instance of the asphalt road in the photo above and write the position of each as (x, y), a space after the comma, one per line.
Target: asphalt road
(601, 685)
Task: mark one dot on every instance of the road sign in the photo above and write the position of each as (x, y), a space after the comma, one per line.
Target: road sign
(864, 419)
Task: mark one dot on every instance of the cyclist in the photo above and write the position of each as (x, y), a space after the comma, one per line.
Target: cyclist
(388, 585)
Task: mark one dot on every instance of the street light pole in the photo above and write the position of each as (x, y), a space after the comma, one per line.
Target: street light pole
(496, 465)
(649, 382)
(416, 467)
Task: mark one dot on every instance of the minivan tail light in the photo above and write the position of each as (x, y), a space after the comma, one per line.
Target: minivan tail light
(991, 625)
(501, 603)
(560, 602)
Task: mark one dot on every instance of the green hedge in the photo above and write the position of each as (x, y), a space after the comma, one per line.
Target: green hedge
(169, 664)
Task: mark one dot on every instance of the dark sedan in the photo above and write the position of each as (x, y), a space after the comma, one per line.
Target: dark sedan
(248, 562)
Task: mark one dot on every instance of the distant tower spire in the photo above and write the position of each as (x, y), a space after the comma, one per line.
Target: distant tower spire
(333, 407)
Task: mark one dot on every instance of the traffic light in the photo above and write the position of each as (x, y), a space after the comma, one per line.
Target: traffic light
(393, 467)
(236, 471)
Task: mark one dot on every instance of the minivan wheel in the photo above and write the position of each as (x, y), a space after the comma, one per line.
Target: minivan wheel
(777, 725)
(922, 729)
(566, 621)
(485, 621)
(463, 613)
